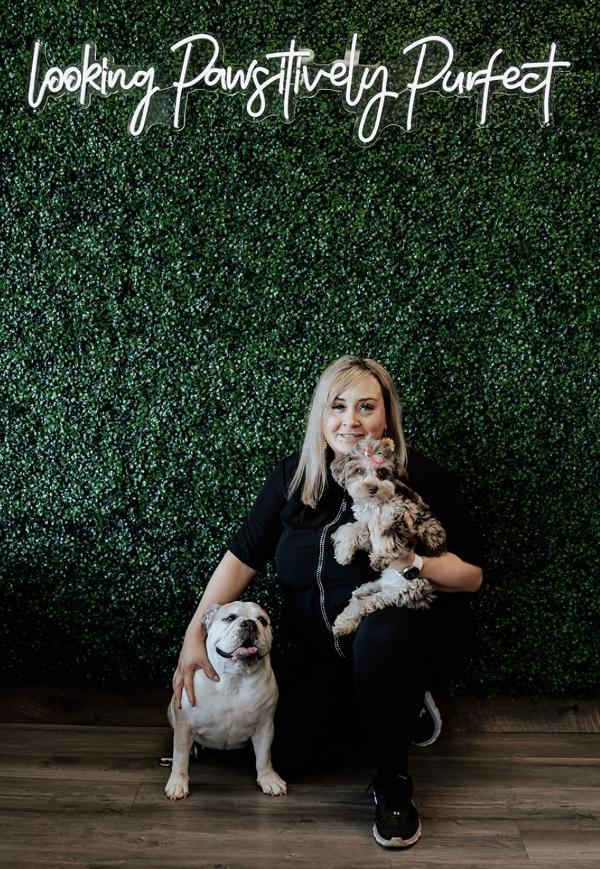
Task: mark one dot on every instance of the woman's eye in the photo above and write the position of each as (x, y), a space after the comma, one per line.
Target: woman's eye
(337, 406)
(367, 407)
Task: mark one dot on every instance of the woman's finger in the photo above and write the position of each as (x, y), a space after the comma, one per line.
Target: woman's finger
(177, 686)
(211, 673)
(189, 687)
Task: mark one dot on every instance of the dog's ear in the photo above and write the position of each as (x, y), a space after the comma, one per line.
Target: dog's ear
(338, 470)
(209, 616)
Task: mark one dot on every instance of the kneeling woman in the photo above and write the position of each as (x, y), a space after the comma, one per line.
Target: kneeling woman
(380, 678)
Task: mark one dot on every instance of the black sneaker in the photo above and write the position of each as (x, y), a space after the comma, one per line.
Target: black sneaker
(397, 823)
(429, 723)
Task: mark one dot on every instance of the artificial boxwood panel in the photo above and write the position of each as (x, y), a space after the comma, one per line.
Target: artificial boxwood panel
(169, 301)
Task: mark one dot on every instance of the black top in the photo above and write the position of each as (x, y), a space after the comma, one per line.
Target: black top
(316, 588)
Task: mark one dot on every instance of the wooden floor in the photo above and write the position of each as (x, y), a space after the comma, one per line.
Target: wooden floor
(86, 796)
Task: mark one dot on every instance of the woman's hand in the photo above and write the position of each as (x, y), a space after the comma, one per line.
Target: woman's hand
(446, 572)
(228, 583)
(193, 657)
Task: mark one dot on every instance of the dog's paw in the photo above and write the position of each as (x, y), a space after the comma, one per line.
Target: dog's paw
(342, 627)
(367, 589)
(343, 553)
(344, 543)
(272, 784)
(177, 787)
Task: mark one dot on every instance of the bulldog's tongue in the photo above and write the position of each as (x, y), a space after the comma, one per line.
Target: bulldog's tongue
(244, 651)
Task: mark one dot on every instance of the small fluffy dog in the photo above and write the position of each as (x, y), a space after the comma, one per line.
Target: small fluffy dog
(371, 476)
(240, 706)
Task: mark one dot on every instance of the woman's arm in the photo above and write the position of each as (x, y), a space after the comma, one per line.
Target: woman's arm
(448, 572)
(445, 572)
(231, 578)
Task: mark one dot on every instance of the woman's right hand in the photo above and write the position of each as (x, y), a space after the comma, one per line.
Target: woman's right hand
(193, 657)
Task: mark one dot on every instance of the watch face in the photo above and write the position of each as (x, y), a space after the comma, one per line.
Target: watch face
(411, 572)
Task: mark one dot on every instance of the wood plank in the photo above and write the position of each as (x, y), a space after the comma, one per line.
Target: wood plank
(38, 738)
(524, 746)
(406, 859)
(136, 705)
(133, 755)
(454, 803)
(84, 704)
(520, 804)
(236, 837)
(485, 773)
(521, 714)
(556, 772)
(56, 796)
(575, 844)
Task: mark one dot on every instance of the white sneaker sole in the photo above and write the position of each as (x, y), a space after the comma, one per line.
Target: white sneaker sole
(429, 704)
(396, 841)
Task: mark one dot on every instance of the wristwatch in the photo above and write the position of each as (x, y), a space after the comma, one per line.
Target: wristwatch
(414, 570)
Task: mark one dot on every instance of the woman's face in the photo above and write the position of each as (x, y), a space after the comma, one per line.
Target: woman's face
(353, 414)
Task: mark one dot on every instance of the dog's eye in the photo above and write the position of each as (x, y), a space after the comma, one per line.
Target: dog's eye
(230, 618)
(382, 474)
(263, 621)
(360, 471)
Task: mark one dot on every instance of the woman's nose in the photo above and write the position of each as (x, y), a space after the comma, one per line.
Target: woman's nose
(350, 416)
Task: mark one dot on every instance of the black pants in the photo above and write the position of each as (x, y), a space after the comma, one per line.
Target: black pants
(331, 709)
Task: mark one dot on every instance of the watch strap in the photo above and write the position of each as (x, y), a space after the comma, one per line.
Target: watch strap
(414, 570)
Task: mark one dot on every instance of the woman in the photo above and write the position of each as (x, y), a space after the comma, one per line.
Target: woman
(378, 677)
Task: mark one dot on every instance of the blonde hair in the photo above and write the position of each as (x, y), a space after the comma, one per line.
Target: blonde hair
(311, 474)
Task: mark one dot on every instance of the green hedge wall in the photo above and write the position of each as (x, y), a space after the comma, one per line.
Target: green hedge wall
(169, 301)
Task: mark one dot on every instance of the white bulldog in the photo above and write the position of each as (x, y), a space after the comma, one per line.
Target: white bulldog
(240, 706)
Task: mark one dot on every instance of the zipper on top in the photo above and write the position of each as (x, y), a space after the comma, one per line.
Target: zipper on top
(336, 642)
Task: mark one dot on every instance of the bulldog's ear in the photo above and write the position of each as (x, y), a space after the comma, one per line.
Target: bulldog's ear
(338, 470)
(208, 617)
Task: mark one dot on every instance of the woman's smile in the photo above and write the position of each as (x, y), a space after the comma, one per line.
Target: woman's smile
(357, 411)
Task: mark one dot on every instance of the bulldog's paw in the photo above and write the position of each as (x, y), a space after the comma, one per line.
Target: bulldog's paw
(177, 787)
(272, 784)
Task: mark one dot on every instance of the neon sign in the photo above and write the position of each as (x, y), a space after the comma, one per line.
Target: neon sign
(379, 95)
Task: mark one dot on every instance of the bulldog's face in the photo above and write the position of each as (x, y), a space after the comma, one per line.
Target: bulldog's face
(238, 635)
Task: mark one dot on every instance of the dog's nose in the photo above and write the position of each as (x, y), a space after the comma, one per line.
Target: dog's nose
(373, 490)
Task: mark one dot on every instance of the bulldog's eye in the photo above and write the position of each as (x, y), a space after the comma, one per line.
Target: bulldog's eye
(263, 621)
(230, 618)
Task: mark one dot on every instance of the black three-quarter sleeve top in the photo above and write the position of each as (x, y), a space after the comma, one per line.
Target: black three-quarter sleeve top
(316, 588)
